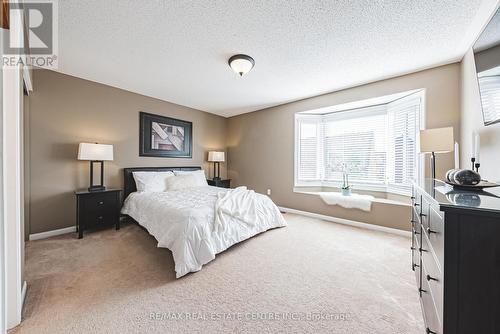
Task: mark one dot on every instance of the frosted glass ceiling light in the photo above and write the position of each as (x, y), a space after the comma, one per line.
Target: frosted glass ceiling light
(241, 64)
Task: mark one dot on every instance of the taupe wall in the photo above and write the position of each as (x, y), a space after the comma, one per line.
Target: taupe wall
(261, 144)
(472, 120)
(64, 111)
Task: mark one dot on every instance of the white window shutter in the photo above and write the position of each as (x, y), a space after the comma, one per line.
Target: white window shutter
(403, 124)
(358, 140)
(308, 150)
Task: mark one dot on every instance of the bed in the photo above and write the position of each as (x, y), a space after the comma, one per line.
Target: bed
(198, 222)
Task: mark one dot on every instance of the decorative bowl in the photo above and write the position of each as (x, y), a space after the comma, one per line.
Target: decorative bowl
(466, 177)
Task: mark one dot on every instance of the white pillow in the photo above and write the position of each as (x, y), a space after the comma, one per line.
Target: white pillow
(151, 181)
(201, 179)
(182, 182)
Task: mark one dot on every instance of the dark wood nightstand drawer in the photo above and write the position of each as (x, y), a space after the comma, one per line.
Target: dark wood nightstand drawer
(98, 219)
(98, 209)
(220, 183)
(100, 203)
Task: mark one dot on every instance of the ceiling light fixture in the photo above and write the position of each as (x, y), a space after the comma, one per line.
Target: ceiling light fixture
(241, 64)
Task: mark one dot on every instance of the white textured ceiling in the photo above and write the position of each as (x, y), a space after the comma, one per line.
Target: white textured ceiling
(177, 50)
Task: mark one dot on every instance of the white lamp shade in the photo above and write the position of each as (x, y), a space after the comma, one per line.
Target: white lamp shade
(214, 156)
(95, 152)
(437, 140)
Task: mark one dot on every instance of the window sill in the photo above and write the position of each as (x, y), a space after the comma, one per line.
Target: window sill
(380, 190)
(379, 197)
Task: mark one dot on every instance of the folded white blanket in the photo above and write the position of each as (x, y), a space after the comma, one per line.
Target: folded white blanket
(241, 204)
(353, 201)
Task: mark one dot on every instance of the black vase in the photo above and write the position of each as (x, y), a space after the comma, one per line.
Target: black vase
(466, 177)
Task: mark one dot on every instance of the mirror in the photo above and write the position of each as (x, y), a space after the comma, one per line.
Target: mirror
(487, 58)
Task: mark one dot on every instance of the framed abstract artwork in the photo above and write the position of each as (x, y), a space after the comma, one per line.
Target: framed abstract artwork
(164, 137)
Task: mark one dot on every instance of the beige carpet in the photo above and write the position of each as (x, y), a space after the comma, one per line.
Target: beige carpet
(310, 277)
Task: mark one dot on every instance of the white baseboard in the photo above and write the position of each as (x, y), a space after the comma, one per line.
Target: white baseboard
(48, 234)
(348, 222)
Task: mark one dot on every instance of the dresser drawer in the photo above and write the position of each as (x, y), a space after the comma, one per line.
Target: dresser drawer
(416, 263)
(432, 323)
(101, 203)
(424, 213)
(435, 232)
(415, 195)
(416, 202)
(432, 275)
(97, 219)
(415, 214)
(416, 231)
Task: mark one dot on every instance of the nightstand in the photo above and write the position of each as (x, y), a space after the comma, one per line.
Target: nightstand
(97, 209)
(220, 183)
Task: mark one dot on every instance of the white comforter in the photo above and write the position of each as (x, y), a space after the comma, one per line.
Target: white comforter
(197, 223)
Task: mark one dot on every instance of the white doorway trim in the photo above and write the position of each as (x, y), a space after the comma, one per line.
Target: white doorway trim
(2, 226)
(13, 180)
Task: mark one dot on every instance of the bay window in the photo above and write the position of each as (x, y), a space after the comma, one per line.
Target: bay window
(377, 144)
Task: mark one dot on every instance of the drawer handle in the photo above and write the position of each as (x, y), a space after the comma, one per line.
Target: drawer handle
(101, 202)
(429, 331)
(413, 266)
(412, 248)
(422, 250)
(421, 290)
(429, 231)
(430, 278)
(416, 204)
(413, 197)
(423, 215)
(417, 233)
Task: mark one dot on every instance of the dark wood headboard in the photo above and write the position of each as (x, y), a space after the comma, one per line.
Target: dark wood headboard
(128, 178)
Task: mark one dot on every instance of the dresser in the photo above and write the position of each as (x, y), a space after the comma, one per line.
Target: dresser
(456, 258)
(97, 209)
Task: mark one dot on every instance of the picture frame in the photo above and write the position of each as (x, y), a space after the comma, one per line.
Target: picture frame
(164, 137)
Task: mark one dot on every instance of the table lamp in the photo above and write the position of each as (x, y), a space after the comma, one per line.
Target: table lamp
(216, 158)
(436, 141)
(95, 153)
